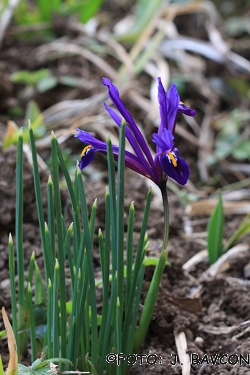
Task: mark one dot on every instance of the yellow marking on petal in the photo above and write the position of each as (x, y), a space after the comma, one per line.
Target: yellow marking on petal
(181, 102)
(85, 150)
(172, 158)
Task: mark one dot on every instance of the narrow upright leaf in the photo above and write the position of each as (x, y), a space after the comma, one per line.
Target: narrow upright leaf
(215, 232)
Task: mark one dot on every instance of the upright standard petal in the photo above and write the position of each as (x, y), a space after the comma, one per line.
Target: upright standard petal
(168, 102)
(115, 98)
(132, 140)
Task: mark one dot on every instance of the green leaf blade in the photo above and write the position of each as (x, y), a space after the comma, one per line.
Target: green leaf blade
(215, 231)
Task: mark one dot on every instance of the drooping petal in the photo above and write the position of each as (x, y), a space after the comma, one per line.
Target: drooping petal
(94, 145)
(115, 98)
(174, 166)
(164, 142)
(88, 138)
(184, 109)
(87, 156)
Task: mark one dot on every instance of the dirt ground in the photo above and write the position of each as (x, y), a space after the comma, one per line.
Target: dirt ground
(200, 312)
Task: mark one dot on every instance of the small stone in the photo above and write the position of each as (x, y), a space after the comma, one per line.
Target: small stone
(246, 271)
(199, 340)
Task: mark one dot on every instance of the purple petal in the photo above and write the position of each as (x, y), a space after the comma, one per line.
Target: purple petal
(130, 137)
(115, 98)
(164, 141)
(173, 100)
(113, 114)
(163, 105)
(131, 161)
(174, 166)
(168, 138)
(184, 109)
(87, 156)
(168, 106)
(85, 137)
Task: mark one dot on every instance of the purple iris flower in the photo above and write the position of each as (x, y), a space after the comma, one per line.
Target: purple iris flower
(167, 161)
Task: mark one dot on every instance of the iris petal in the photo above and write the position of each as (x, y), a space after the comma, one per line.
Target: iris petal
(113, 114)
(164, 141)
(168, 138)
(115, 97)
(94, 145)
(87, 156)
(180, 172)
(85, 137)
(184, 109)
(173, 99)
(163, 106)
(141, 161)
(131, 138)
(168, 102)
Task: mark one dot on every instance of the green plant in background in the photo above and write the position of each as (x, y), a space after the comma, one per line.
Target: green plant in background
(41, 81)
(233, 137)
(215, 232)
(31, 79)
(144, 12)
(3, 5)
(43, 10)
(32, 116)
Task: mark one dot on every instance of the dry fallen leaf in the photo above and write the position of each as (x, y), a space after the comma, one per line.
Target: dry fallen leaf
(13, 361)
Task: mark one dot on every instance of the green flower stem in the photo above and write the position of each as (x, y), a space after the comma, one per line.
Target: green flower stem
(166, 216)
(156, 280)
